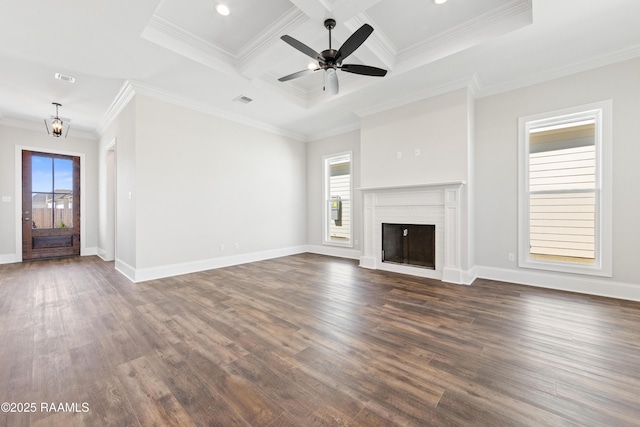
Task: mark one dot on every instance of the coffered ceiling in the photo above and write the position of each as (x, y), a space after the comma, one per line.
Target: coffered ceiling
(247, 42)
(187, 53)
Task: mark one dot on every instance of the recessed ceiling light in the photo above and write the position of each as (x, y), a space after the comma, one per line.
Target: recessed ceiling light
(439, 1)
(223, 9)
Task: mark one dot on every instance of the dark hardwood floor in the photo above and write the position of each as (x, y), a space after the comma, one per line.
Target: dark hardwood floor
(308, 340)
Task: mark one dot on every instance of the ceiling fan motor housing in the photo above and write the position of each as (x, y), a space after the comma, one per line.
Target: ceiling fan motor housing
(329, 56)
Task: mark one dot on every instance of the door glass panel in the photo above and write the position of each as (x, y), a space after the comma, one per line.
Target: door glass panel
(63, 175)
(41, 174)
(52, 192)
(63, 210)
(42, 207)
(63, 187)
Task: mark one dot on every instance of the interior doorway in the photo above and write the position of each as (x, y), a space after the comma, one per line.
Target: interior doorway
(50, 205)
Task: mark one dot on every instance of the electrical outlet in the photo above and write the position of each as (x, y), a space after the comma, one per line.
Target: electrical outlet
(417, 152)
(237, 245)
(221, 247)
(512, 257)
(6, 199)
(399, 155)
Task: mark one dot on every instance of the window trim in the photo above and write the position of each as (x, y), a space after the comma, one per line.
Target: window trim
(602, 113)
(326, 195)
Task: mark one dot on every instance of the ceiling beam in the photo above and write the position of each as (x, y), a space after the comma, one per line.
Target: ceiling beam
(340, 10)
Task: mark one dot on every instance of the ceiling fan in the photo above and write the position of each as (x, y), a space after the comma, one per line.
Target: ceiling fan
(330, 60)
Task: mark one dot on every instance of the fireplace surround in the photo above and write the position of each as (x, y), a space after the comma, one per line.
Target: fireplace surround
(438, 204)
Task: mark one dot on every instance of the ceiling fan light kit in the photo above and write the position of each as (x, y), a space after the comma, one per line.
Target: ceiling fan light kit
(330, 60)
(223, 9)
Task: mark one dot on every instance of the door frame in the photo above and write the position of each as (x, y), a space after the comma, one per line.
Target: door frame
(108, 251)
(18, 193)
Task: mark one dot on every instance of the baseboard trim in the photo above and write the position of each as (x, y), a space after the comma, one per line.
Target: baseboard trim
(333, 251)
(571, 283)
(152, 273)
(8, 258)
(458, 276)
(103, 255)
(89, 251)
(125, 269)
(11, 258)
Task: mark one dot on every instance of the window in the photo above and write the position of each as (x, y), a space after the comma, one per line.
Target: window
(565, 191)
(337, 200)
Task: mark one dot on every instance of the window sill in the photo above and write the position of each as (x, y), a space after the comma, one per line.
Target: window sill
(338, 244)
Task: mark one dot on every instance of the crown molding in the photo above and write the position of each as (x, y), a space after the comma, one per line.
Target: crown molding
(132, 88)
(169, 35)
(333, 132)
(474, 86)
(616, 56)
(259, 46)
(164, 32)
(465, 82)
(378, 42)
(468, 29)
(121, 100)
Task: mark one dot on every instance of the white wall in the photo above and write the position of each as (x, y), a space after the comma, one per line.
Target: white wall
(121, 134)
(201, 182)
(349, 141)
(441, 129)
(437, 126)
(10, 178)
(496, 175)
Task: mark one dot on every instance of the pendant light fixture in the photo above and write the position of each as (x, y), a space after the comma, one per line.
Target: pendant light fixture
(57, 125)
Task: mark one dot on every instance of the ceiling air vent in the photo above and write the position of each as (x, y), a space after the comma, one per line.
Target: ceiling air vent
(243, 99)
(64, 77)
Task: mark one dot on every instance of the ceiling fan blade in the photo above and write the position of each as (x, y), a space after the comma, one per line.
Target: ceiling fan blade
(297, 74)
(303, 48)
(331, 81)
(365, 70)
(354, 42)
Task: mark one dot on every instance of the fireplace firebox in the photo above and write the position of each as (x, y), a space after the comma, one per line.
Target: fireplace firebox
(411, 244)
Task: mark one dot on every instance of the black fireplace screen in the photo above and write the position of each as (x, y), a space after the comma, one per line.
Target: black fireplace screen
(412, 244)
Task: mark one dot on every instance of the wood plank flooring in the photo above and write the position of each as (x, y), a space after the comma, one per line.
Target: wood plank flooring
(308, 340)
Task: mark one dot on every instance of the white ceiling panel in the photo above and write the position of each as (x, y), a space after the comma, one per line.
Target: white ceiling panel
(187, 53)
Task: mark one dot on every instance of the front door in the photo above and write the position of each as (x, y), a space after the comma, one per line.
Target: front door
(50, 205)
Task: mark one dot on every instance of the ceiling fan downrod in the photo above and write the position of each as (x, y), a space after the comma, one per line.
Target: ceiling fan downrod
(329, 24)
